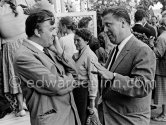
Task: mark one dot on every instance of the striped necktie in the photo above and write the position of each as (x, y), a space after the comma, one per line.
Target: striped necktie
(114, 56)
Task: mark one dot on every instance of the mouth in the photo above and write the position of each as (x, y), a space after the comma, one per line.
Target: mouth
(110, 35)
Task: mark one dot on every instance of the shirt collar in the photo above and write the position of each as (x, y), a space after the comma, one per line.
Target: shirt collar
(36, 45)
(123, 43)
(138, 23)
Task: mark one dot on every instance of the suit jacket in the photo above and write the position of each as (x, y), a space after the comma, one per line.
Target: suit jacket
(140, 29)
(127, 101)
(39, 76)
(160, 51)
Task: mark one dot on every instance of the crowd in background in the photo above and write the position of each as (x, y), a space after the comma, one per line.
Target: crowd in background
(89, 54)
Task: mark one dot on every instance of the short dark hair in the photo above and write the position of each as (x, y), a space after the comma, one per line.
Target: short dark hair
(140, 14)
(68, 22)
(119, 12)
(154, 17)
(34, 20)
(83, 23)
(84, 33)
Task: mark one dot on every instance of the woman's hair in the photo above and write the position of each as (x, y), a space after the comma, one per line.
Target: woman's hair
(84, 33)
(68, 22)
(13, 6)
(83, 23)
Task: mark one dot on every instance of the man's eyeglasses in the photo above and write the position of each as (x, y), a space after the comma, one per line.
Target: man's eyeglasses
(52, 20)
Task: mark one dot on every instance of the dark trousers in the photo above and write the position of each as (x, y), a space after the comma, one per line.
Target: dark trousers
(82, 102)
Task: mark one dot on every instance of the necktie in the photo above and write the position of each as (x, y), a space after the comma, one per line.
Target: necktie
(47, 53)
(114, 56)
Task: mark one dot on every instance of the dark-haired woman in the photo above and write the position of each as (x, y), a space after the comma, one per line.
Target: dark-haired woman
(67, 26)
(86, 92)
(12, 32)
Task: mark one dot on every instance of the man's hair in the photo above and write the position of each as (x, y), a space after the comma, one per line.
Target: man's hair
(118, 12)
(83, 23)
(140, 14)
(154, 17)
(84, 33)
(34, 20)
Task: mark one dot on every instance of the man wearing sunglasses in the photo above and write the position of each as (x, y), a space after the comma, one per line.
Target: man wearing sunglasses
(46, 74)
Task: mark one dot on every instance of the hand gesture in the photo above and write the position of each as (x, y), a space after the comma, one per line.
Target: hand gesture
(102, 71)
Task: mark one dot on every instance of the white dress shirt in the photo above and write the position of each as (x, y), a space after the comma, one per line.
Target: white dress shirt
(122, 44)
(36, 45)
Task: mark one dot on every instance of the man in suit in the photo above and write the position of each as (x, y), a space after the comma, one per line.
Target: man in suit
(141, 25)
(46, 74)
(128, 74)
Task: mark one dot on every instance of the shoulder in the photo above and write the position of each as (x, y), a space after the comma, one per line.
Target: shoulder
(140, 46)
(22, 53)
(90, 54)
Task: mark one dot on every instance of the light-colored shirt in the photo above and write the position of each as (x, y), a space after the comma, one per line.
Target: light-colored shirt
(36, 45)
(67, 44)
(122, 44)
(120, 47)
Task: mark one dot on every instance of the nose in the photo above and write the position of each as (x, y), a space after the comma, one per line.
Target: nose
(105, 29)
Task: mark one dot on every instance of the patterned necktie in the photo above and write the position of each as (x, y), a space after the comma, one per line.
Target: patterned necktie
(47, 53)
(114, 56)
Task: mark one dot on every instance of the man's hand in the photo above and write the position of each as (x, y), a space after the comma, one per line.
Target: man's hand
(56, 48)
(103, 72)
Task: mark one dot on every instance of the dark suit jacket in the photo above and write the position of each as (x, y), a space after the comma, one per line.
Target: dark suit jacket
(152, 30)
(39, 76)
(127, 101)
(140, 29)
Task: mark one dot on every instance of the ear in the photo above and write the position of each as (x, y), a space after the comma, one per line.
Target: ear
(123, 22)
(37, 32)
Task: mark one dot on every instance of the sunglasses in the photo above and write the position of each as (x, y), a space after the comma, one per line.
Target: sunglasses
(51, 19)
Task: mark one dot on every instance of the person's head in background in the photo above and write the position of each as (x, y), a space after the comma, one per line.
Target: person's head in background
(40, 27)
(67, 25)
(82, 38)
(162, 25)
(163, 14)
(12, 3)
(141, 16)
(86, 22)
(117, 23)
(154, 20)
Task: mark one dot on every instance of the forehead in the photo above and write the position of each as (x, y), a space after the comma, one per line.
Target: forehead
(109, 18)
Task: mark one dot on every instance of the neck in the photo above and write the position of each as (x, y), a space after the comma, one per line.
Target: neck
(125, 34)
(36, 40)
(69, 31)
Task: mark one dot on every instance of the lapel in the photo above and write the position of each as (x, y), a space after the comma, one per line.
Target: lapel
(123, 53)
(37, 51)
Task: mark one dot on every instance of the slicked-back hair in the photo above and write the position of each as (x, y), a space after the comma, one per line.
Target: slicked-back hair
(140, 14)
(118, 12)
(34, 20)
(84, 33)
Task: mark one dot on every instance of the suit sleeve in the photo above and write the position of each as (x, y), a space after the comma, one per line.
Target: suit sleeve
(40, 78)
(140, 82)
